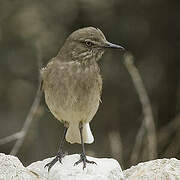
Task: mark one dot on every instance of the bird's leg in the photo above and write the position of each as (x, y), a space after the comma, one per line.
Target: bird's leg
(60, 153)
(83, 154)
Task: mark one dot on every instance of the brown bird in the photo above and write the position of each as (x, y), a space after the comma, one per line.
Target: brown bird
(72, 85)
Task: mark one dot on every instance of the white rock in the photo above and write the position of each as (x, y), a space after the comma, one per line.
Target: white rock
(106, 169)
(12, 169)
(160, 169)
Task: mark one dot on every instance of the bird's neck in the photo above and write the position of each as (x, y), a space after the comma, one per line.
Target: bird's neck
(67, 56)
(63, 55)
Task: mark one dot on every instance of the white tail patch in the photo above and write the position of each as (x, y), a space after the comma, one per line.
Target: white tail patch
(87, 134)
(73, 134)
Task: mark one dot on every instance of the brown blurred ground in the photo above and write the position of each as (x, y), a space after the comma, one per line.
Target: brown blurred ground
(148, 28)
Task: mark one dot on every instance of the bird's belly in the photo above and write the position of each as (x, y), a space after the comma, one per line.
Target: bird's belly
(74, 102)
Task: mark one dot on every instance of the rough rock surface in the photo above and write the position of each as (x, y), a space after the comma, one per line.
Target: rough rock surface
(106, 169)
(160, 169)
(12, 169)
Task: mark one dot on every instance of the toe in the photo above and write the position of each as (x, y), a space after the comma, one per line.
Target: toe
(51, 164)
(47, 165)
(84, 165)
(60, 160)
(76, 163)
(91, 162)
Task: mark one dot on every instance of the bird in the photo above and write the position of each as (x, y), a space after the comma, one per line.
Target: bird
(72, 86)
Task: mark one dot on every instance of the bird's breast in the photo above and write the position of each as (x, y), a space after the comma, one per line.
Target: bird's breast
(73, 88)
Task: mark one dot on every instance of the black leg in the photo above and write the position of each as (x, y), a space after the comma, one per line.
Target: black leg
(83, 154)
(60, 153)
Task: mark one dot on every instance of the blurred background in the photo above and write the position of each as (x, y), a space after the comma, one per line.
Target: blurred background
(149, 29)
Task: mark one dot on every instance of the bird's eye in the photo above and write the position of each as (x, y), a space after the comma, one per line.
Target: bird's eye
(88, 43)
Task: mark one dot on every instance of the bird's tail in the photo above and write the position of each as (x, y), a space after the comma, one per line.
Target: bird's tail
(73, 134)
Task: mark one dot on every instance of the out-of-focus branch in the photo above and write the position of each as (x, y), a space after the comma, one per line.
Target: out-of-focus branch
(166, 131)
(173, 148)
(31, 113)
(116, 146)
(20, 136)
(27, 123)
(146, 107)
(138, 144)
(11, 138)
(168, 137)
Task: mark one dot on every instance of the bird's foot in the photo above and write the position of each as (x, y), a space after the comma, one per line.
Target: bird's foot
(58, 157)
(84, 160)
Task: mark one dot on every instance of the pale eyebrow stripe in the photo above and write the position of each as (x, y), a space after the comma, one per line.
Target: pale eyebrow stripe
(84, 40)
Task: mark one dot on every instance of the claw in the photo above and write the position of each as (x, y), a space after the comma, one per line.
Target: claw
(51, 164)
(84, 160)
(59, 157)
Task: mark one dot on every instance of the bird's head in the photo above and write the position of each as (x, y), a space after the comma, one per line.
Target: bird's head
(87, 43)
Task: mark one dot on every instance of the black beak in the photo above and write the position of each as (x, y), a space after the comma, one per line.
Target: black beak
(111, 45)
